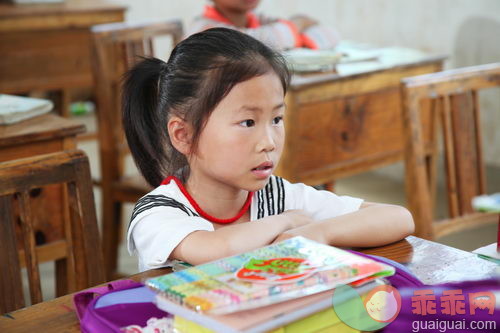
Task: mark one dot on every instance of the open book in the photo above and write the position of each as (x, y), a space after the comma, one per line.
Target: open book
(16, 108)
(279, 272)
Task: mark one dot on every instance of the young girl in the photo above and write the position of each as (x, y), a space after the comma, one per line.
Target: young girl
(206, 129)
(298, 31)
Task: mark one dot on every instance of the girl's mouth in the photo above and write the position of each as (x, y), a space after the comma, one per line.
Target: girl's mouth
(264, 170)
(264, 166)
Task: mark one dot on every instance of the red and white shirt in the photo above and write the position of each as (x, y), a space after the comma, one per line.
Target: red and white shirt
(165, 216)
(277, 33)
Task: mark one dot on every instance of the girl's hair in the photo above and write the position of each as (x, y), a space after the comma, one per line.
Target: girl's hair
(200, 72)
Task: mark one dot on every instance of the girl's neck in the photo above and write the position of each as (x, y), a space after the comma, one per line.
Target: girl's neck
(239, 19)
(215, 200)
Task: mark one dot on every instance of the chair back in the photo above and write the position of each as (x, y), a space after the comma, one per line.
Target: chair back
(117, 47)
(79, 250)
(455, 94)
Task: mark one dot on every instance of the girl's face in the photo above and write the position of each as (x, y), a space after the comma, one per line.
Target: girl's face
(242, 141)
(236, 5)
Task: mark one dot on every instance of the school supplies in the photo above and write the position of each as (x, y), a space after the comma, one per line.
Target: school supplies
(122, 306)
(489, 252)
(290, 269)
(306, 314)
(16, 108)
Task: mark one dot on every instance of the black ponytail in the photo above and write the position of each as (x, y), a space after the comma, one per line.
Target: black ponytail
(200, 72)
(145, 115)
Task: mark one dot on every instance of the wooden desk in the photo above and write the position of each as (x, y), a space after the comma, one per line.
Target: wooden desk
(47, 47)
(431, 262)
(44, 134)
(340, 124)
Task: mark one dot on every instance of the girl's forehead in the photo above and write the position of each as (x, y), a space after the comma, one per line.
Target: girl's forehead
(267, 82)
(259, 90)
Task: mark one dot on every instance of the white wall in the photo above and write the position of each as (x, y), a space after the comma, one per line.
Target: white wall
(468, 31)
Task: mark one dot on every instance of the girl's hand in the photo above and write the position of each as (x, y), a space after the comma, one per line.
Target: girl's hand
(297, 218)
(310, 231)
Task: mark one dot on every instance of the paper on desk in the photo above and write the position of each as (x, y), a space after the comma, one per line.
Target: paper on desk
(16, 108)
(489, 251)
(362, 59)
(305, 60)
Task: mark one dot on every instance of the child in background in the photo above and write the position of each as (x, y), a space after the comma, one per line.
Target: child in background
(298, 31)
(206, 129)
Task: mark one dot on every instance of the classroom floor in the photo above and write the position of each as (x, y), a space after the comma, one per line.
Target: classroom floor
(380, 186)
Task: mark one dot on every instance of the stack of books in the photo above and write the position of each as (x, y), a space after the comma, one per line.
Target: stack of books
(17, 108)
(283, 287)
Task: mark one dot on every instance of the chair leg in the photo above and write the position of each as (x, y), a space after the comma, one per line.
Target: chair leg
(61, 271)
(10, 272)
(111, 221)
(64, 101)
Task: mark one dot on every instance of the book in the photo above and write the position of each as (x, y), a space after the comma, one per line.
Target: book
(16, 108)
(301, 60)
(309, 313)
(275, 273)
(325, 321)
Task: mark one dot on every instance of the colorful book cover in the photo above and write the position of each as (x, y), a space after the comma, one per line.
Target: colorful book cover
(290, 269)
(301, 315)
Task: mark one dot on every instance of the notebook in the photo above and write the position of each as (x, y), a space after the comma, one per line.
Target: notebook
(279, 272)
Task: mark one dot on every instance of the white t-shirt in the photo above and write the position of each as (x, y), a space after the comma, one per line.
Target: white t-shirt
(162, 218)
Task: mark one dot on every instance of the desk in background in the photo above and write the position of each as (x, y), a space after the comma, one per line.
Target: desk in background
(340, 124)
(431, 262)
(47, 47)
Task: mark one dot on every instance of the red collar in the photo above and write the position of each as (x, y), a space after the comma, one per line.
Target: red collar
(200, 211)
(213, 14)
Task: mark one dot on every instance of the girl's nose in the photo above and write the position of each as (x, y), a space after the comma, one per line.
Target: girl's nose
(267, 141)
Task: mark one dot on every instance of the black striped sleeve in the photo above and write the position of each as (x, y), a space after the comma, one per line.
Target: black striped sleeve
(151, 201)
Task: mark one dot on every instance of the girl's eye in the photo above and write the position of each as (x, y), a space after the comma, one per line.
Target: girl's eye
(248, 123)
(277, 120)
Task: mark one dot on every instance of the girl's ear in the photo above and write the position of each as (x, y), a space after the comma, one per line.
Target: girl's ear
(180, 133)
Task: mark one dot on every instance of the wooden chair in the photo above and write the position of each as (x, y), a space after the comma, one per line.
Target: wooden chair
(80, 264)
(117, 47)
(456, 95)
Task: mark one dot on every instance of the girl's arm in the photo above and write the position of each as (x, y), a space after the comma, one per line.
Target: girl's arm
(372, 225)
(204, 246)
